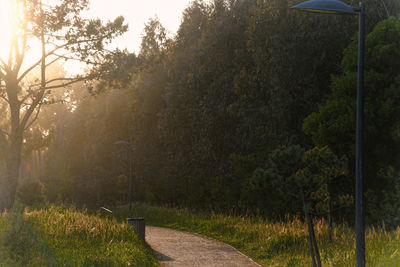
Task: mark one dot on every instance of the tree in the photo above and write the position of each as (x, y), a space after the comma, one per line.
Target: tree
(63, 34)
(334, 123)
(303, 176)
(321, 168)
(147, 90)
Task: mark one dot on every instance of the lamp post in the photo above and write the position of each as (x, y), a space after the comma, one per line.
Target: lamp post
(129, 149)
(338, 7)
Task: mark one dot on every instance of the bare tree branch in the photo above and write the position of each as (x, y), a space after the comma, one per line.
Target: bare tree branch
(21, 53)
(4, 132)
(37, 63)
(4, 65)
(39, 106)
(39, 98)
(53, 61)
(61, 79)
(53, 80)
(71, 81)
(5, 99)
(76, 80)
(10, 52)
(77, 59)
(2, 75)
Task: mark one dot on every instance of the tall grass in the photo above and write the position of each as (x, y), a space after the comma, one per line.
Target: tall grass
(57, 236)
(276, 243)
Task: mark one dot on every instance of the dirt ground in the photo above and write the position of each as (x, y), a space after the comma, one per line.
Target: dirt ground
(177, 248)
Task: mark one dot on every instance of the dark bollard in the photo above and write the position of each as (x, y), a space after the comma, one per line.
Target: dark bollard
(139, 224)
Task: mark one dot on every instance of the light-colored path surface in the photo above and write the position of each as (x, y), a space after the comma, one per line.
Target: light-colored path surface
(177, 248)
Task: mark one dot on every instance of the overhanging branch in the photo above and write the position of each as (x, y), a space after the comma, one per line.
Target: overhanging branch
(77, 59)
(37, 63)
(76, 80)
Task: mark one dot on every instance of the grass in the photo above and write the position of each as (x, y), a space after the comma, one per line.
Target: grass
(276, 244)
(58, 236)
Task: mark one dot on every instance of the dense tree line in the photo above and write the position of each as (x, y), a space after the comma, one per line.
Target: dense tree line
(250, 107)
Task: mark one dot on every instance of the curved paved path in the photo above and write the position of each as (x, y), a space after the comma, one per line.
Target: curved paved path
(177, 248)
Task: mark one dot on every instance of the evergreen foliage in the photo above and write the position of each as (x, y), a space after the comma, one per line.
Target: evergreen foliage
(218, 116)
(334, 123)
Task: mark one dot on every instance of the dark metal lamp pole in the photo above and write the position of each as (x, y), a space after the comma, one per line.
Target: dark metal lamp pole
(338, 7)
(360, 235)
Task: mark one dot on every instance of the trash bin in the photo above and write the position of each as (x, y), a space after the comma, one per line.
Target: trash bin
(139, 225)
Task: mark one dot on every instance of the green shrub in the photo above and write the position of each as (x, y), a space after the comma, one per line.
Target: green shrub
(31, 192)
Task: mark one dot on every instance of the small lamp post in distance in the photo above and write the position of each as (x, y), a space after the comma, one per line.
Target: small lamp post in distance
(338, 7)
(129, 151)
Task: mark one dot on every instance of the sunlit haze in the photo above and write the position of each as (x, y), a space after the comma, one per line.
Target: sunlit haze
(136, 14)
(5, 12)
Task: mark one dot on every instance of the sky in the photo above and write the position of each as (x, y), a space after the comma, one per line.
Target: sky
(136, 14)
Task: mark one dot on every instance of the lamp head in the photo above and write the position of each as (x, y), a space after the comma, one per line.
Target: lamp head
(122, 142)
(326, 6)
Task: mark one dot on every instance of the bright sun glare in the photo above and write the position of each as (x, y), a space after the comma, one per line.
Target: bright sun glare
(34, 49)
(5, 28)
(135, 13)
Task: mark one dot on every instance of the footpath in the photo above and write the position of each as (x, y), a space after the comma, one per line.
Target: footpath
(177, 248)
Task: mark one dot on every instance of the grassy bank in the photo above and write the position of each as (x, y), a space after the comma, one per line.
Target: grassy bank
(57, 236)
(276, 244)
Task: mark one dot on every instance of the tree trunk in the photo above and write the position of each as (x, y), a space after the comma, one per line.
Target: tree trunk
(330, 210)
(13, 161)
(39, 171)
(311, 250)
(9, 187)
(313, 246)
(310, 242)
(314, 240)
(330, 219)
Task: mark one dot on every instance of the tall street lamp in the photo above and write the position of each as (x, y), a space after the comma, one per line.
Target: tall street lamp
(129, 151)
(338, 7)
